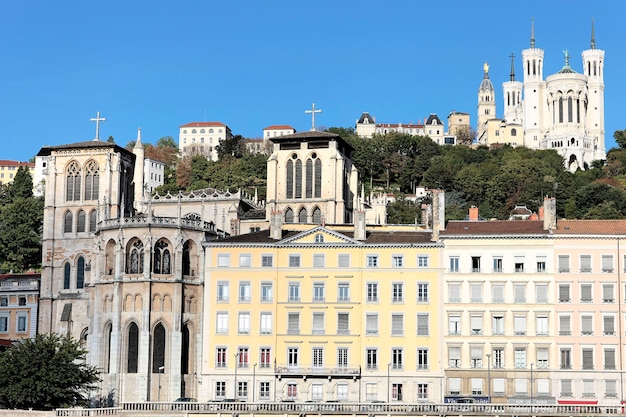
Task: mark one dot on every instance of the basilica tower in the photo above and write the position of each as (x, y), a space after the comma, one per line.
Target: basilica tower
(486, 103)
(513, 110)
(534, 94)
(593, 68)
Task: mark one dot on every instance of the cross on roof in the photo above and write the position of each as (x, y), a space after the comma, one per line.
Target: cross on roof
(312, 112)
(97, 119)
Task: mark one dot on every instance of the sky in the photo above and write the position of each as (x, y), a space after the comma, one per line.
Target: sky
(157, 65)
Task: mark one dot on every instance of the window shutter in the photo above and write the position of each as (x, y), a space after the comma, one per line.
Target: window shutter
(520, 293)
(476, 353)
(476, 292)
(318, 323)
(293, 326)
(564, 293)
(542, 293)
(455, 353)
(607, 293)
(587, 358)
(609, 325)
(587, 324)
(477, 324)
(396, 324)
(609, 359)
(498, 385)
(422, 324)
(498, 293)
(563, 263)
(455, 292)
(519, 324)
(607, 263)
(585, 263)
(371, 326)
(585, 292)
(564, 325)
(343, 322)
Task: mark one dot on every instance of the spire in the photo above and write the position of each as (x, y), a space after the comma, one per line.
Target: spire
(512, 74)
(532, 33)
(138, 143)
(593, 35)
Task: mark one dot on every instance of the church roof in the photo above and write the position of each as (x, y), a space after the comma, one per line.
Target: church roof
(90, 144)
(311, 136)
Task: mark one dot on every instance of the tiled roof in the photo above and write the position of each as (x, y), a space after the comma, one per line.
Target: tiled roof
(494, 227)
(200, 124)
(590, 227)
(9, 163)
(279, 127)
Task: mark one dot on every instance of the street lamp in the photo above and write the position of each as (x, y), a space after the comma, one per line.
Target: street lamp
(236, 366)
(388, 382)
(161, 369)
(253, 380)
(531, 382)
(489, 376)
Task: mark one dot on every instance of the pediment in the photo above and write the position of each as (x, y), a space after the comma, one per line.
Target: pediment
(319, 236)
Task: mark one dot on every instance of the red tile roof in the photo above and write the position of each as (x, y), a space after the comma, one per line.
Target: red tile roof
(9, 163)
(494, 227)
(200, 124)
(590, 227)
(279, 127)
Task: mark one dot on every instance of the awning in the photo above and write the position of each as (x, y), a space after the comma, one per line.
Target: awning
(578, 402)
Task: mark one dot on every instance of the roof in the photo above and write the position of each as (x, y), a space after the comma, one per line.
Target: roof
(590, 227)
(410, 125)
(90, 144)
(203, 124)
(27, 275)
(433, 119)
(494, 227)
(9, 163)
(279, 127)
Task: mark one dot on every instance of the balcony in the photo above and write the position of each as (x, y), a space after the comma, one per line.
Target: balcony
(284, 370)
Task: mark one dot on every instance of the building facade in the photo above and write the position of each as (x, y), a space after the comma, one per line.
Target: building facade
(202, 138)
(19, 304)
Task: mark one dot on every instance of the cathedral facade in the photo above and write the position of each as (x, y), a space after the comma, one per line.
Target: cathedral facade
(563, 111)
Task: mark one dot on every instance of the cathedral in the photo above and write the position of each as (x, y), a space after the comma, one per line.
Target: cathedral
(562, 111)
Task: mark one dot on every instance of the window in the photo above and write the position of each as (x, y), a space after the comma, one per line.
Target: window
(92, 181)
(245, 260)
(519, 293)
(244, 291)
(342, 358)
(372, 292)
(422, 261)
(564, 293)
(476, 293)
(265, 357)
(319, 238)
(422, 292)
(266, 292)
(609, 325)
(220, 357)
(293, 323)
(587, 358)
(541, 325)
(21, 323)
(566, 388)
(566, 358)
(422, 324)
(541, 293)
(476, 385)
(318, 323)
(585, 263)
(81, 221)
(497, 264)
(454, 292)
(498, 387)
(223, 260)
(343, 260)
(498, 358)
(371, 358)
(318, 357)
(72, 182)
(266, 323)
(498, 325)
(520, 358)
(608, 293)
(422, 358)
(521, 387)
(542, 358)
(267, 261)
(610, 388)
(588, 388)
(21, 301)
(586, 325)
(454, 324)
(220, 389)
(397, 261)
(585, 293)
(422, 391)
(454, 386)
(396, 358)
(294, 292)
(222, 291)
(397, 293)
(543, 387)
(80, 272)
(397, 324)
(476, 357)
(294, 261)
(4, 324)
(454, 264)
(319, 260)
(454, 356)
(343, 292)
(244, 323)
(607, 263)
(222, 323)
(343, 323)
(476, 324)
(519, 324)
(541, 264)
(292, 356)
(475, 263)
(318, 292)
(563, 263)
(4, 301)
(396, 392)
(609, 358)
(497, 293)
(372, 261)
(565, 326)
(371, 324)
(519, 264)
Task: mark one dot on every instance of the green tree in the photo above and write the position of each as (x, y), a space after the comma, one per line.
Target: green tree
(22, 185)
(620, 138)
(45, 373)
(234, 147)
(167, 142)
(21, 223)
(403, 211)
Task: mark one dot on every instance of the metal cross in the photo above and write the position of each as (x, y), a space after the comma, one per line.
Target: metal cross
(97, 119)
(312, 112)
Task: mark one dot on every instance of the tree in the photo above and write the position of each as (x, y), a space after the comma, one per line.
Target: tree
(465, 135)
(21, 224)
(22, 183)
(620, 138)
(45, 373)
(234, 147)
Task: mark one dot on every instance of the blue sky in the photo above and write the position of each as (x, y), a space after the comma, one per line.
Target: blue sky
(250, 64)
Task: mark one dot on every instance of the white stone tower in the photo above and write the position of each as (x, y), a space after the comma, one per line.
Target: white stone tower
(534, 93)
(593, 68)
(513, 110)
(486, 102)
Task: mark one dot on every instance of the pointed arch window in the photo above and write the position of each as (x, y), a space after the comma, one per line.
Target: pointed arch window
(309, 178)
(92, 181)
(135, 258)
(161, 258)
(289, 179)
(80, 221)
(288, 215)
(298, 180)
(318, 178)
(302, 215)
(185, 350)
(186, 259)
(317, 215)
(133, 349)
(67, 276)
(93, 219)
(80, 272)
(158, 348)
(72, 182)
(108, 330)
(68, 219)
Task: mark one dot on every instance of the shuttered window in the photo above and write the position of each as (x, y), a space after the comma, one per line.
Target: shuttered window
(454, 292)
(343, 323)
(607, 293)
(585, 263)
(564, 296)
(585, 293)
(318, 323)
(519, 325)
(476, 323)
(454, 386)
(542, 293)
(498, 386)
(422, 324)
(563, 263)
(476, 293)
(609, 358)
(609, 325)
(607, 263)
(520, 293)
(586, 325)
(587, 358)
(293, 326)
(397, 324)
(371, 324)
(565, 328)
(497, 293)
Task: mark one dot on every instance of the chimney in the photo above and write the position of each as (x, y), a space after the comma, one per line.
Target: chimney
(360, 229)
(438, 212)
(541, 211)
(276, 225)
(473, 213)
(549, 213)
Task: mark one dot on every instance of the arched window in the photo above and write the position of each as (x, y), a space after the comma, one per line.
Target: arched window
(289, 179)
(80, 222)
(135, 258)
(186, 259)
(68, 219)
(80, 272)
(302, 215)
(298, 179)
(92, 181)
(133, 349)
(184, 355)
(108, 330)
(319, 238)
(72, 182)
(161, 258)
(513, 132)
(308, 191)
(158, 348)
(93, 220)
(318, 178)
(317, 215)
(67, 276)
(288, 215)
